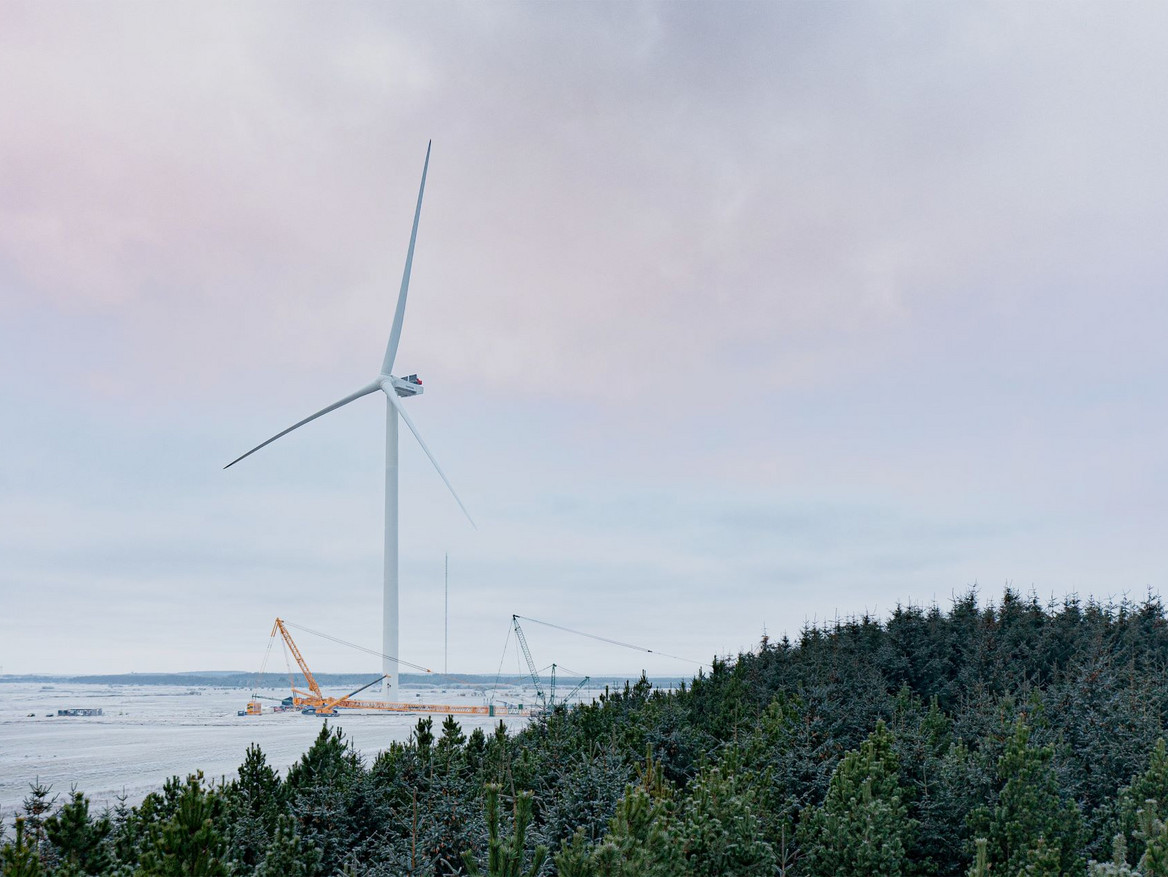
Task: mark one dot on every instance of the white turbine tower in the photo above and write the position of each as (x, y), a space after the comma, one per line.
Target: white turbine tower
(393, 388)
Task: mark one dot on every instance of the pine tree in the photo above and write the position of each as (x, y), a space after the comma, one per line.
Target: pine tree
(191, 842)
(981, 865)
(19, 858)
(862, 827)
(497, 760)
(719, 832)
(580, 790)
(1147, 791)
(78, 840)
(643, 838)
(476, 749)
(424, 739)
(1118, 866)
(1030, 826)
(1154, 833)
(505, 856)
(453, 817)
(452, 739)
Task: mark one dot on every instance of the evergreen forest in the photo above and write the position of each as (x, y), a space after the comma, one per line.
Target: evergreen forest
(1006, 738)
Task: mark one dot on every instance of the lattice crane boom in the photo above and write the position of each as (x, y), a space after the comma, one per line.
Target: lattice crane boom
(576, 690)
(530, 663)
(308, 677)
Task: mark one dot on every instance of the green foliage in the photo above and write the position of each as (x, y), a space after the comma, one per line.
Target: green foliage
(288, 855)
(1154, 833)
(863, 826)
(860, 746)
(981, 862)
(78, 840)
(1030, 830)
(18, 858)
(643, 839)
(719, 832)
(325, 791)
(1117, 867)
(424, 738)
(505, 857)
(191, 842)
(254, 804)
(1147, 791)
(579, 794)
(38, 803)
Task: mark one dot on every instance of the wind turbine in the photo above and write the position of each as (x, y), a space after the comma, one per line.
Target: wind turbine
(395, 389)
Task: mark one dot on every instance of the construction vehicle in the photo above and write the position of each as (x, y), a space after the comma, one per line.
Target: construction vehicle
(255, 708)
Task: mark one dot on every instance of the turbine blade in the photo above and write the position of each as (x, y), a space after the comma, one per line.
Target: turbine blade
(402, 411)
(364, 391)
(400, 314)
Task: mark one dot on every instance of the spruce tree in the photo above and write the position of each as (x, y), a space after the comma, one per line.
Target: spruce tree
(325, 790)
(38, 803)
(288, 855)
(255, 801)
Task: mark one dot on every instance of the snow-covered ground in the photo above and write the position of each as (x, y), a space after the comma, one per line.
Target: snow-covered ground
(151, 732)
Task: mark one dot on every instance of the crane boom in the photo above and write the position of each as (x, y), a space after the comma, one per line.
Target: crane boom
(308, 677)
(328, 708)
(575, 690)
(530, 663)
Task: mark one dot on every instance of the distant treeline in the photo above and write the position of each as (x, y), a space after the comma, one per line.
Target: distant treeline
(1018, 738)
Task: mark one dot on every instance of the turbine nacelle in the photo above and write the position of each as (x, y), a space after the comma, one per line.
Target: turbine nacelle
(410, 385)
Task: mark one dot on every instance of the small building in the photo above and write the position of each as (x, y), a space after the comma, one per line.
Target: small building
(83, 711)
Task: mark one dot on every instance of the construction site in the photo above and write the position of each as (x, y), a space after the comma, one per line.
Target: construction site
(307, 698)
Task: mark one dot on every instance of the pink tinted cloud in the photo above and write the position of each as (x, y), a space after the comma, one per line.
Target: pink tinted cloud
(618, 200)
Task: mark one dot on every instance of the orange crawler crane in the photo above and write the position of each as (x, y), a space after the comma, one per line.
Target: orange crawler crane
(314, 702)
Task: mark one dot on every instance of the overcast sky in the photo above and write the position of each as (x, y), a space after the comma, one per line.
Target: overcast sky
(730, 317)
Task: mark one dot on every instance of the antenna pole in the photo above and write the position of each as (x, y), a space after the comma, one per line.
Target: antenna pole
(446, 623)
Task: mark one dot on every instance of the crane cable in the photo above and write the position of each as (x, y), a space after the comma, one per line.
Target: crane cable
(502, 658)
(342, 642)
(258, 679)
(613, 642)
(267, 656)
(288, 663)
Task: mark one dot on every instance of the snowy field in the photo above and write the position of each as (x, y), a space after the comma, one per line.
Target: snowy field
(151, 732)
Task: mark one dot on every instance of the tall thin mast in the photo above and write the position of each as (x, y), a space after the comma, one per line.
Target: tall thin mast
(446, 622)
